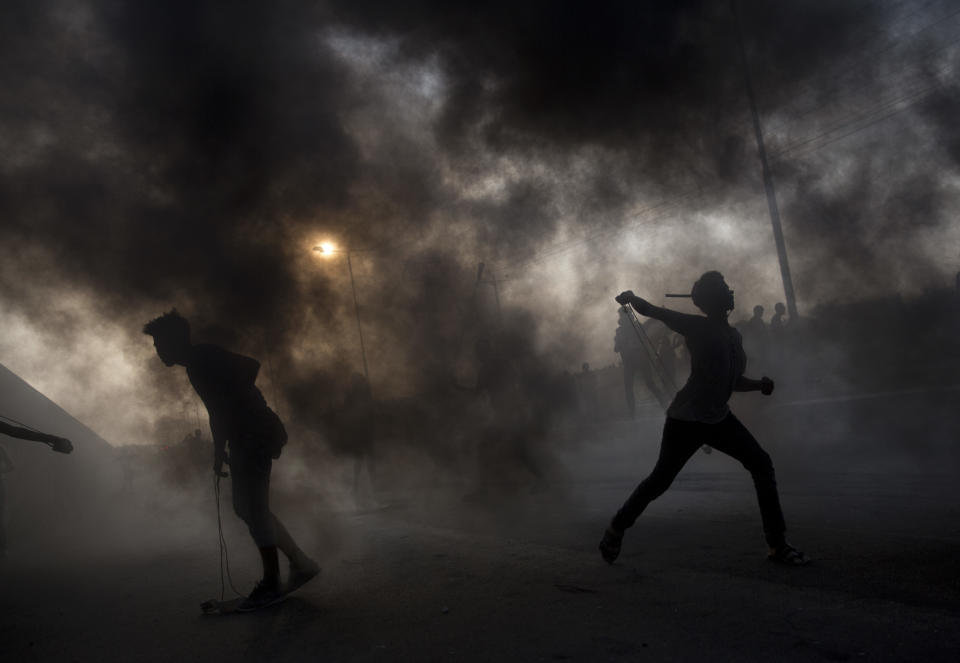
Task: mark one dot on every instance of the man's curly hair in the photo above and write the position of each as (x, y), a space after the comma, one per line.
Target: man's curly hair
(169, 325)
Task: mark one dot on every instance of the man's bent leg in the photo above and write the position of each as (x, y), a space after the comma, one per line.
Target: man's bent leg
(271, 566)
(735, 440)
(251, 498)
(680, 441)
(252, 495)
(287, 545)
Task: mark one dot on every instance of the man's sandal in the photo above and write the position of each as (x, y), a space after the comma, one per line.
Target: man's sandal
(788, 556)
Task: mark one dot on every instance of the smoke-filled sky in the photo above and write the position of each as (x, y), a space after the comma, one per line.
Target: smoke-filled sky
(191, 154)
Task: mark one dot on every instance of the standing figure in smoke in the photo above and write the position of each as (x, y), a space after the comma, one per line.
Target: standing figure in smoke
(357, 425)
(239, 415)
(777, 324)
(699, 414)
(778, 334)
(755, 337)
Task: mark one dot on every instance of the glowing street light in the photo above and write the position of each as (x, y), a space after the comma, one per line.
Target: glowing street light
(327, 250)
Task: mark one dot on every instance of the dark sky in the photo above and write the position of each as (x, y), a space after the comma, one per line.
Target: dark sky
(191, 153)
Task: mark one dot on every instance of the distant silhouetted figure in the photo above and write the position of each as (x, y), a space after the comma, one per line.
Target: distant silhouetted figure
(778, 332)
(755, 335)
(777, 323)
(6, 466)
(239, 416)
(756, 323)
(635, 362)
(665, 344)
(699, 414)
(358, 427)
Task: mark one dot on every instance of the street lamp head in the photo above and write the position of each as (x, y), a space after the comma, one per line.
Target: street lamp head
(325, 249)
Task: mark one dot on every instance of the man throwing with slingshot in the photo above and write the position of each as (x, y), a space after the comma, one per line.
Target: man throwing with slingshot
(699, 414)
(239, 416)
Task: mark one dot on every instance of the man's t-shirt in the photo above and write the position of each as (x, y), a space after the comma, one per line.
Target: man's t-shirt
(717, 360)
(225, 383)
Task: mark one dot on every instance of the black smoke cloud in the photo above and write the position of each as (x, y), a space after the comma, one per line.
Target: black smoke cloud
(188, 152)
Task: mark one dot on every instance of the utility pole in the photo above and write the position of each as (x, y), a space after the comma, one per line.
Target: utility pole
(492, 281)
(767, 175)
(356, 309)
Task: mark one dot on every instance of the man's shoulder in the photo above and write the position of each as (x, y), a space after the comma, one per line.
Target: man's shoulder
(207, 356)
(202, 352)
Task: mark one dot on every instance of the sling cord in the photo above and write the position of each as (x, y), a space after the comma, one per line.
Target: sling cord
(655, 360)
(224, 554)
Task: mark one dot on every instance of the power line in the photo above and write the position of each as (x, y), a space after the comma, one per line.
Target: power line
(870, 118)
(866, 82)
(870, 58)
(834, 81)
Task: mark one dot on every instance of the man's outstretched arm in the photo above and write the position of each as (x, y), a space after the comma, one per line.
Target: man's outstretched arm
(61, 444)
(678, 322)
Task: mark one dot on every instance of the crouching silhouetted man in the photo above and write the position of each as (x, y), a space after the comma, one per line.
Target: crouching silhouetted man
(699, 414)
(239, 415)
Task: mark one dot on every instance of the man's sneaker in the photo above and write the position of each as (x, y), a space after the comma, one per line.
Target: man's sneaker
(788, 555)
(263, 594)
(301, 574)
(610, 545)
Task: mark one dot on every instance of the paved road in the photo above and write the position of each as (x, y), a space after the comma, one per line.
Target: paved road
(518, 578)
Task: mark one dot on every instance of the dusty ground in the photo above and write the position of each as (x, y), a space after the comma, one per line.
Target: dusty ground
(518, 578)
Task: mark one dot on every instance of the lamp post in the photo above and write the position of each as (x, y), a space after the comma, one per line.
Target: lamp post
(329, 250)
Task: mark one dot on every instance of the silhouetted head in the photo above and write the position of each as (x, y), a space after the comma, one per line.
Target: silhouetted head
(586, 367)
(712, 295)
(171, 337)
(758, 311)
(779, 308)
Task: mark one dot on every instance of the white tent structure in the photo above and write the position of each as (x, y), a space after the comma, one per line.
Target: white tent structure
(46, 489)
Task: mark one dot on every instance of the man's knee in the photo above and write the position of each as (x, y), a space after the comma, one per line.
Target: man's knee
(760, 464)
